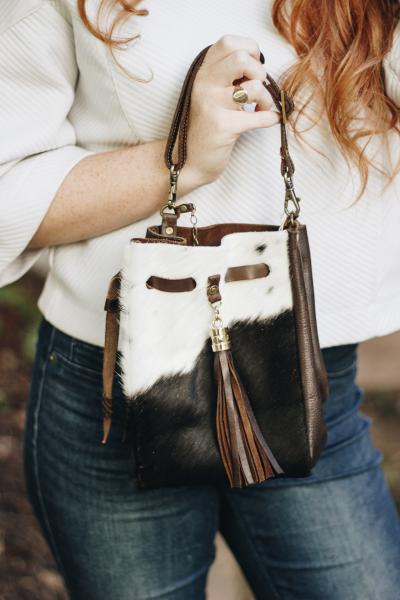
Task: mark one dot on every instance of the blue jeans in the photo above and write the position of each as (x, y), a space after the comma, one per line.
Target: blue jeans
(332, 536)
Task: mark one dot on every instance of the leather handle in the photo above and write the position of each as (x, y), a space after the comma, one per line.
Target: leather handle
(179, 126)
(181, 116)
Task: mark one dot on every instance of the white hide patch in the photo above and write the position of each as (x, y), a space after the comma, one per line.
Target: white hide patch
(163, 333)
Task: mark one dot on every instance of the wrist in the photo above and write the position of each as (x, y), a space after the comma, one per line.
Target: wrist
(190, 178)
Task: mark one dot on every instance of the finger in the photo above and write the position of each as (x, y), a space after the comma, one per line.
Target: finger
(237, 65)
(230, 43)
(245, 120)
(256, 93)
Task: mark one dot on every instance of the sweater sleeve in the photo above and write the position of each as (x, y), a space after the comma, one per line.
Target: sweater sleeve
(38, 145)
(391, 66)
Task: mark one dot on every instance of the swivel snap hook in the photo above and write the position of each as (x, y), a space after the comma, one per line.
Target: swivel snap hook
(173, 180)
(292, 202)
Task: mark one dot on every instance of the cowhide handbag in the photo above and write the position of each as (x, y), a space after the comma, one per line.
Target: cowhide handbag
(219, 356)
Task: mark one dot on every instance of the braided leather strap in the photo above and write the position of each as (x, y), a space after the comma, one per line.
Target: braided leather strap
(179, 127)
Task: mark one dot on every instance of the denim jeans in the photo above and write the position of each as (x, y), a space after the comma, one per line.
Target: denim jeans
(332, 536)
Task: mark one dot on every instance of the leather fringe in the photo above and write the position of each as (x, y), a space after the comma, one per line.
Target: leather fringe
(110, 352)
(246, 456)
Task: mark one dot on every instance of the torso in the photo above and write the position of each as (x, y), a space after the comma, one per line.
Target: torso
(351, 249)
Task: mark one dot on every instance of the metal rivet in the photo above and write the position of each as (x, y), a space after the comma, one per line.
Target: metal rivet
(169, 230)
(212, 289)
(183, 208)
(52, 356)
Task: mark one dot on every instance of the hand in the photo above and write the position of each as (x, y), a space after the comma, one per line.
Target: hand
(215, 120)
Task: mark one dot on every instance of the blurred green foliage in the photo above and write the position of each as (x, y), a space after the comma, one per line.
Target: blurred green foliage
(18, 307)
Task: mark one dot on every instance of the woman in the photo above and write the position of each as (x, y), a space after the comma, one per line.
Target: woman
(87, 101)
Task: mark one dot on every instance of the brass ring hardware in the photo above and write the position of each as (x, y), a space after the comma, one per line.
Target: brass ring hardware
(193, 220)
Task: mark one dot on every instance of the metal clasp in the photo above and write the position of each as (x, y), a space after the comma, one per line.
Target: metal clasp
(292, 202)
(193, 220)
(173, 181)
(220, 339)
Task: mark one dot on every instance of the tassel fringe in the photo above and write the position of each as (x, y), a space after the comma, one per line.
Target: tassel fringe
(245, 454)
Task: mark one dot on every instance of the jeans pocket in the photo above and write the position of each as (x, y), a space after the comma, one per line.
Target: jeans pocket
(72, 369)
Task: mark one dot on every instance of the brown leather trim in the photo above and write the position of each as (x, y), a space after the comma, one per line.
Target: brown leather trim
(310, 382)
(168, 224)
(207, 236)
(180, 119)
(304, 249)
(213, 292)
(160, 240)
(171, 285)
(247, 272)
(111, 305)
(110, 351)
(185, 207)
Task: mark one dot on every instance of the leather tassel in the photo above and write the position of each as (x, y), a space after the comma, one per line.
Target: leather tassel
(245, 454)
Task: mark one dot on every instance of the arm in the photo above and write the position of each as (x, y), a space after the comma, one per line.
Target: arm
(107, 191)
(37, 143)
(53, 191)
(57, 192)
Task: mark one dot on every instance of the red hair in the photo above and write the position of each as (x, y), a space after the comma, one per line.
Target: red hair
(124, 8)
(347, 39)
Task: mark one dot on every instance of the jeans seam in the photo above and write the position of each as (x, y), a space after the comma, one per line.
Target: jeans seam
(73, 364)
(35, 436)
(241, 519)
(343, 370)
(366, 426)
(315, 479)
(346, 414)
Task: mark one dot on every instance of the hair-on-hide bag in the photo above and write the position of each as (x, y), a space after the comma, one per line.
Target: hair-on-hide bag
(219, 357)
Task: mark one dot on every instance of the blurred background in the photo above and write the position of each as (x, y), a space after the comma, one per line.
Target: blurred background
(27, 571)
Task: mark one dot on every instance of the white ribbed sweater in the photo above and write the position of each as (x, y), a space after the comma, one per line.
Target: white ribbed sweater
(50, 119)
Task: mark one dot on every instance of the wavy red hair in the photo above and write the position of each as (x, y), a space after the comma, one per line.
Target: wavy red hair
(347, 39)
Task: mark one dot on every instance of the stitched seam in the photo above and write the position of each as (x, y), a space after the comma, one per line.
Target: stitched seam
(58, 11)
(343, 416)
(29, 14)
(291, 249)
(242, 521)
(366, 426)
(108, 59)
(77, 365)
(187, 580)
(343, 371)
(36, 463)
(318, 480)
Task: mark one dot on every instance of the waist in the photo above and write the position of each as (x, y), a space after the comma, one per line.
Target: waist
(337, 359)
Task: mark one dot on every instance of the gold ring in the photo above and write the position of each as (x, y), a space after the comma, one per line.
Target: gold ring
(240, 95)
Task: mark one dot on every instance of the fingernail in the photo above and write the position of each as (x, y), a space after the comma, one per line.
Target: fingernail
(262, 58)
